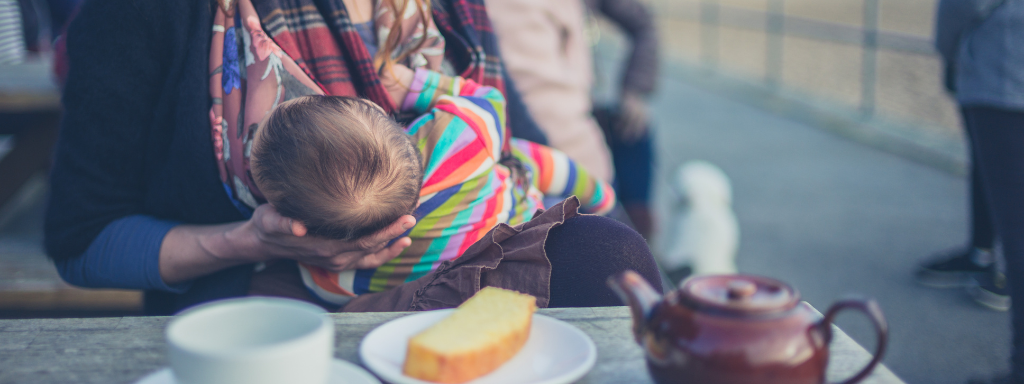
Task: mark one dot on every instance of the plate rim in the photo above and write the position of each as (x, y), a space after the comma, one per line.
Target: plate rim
(571, 376)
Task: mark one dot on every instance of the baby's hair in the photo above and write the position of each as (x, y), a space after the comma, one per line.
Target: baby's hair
(337, 164)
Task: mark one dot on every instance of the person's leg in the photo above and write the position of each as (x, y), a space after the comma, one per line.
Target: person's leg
(634, 165)
(955, 267)
(585, 251)
(998, 136)
(983, 233)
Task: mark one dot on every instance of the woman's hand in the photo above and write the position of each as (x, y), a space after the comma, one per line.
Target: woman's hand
(281, 237)
(634, 116)
(191, 251)
(397, 79)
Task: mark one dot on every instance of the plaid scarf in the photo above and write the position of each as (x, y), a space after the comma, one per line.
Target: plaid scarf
(302, 27)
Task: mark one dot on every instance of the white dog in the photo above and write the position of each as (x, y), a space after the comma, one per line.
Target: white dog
(704, 234)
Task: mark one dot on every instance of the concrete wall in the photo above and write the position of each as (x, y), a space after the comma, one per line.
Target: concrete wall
(908, 88)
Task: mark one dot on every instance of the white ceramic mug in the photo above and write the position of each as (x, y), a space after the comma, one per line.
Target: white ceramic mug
(255, 340)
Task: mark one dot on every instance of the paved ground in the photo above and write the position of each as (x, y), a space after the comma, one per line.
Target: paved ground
(833, 217)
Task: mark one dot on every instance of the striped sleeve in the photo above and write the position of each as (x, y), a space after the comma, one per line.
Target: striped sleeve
(461, 131)
(555, 174)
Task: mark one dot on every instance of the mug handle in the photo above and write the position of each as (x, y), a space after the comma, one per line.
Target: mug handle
(870, 308)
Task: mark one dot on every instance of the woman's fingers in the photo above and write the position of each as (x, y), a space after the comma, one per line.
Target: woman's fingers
(397, 79)
(378, 258)
(282, 237)
(271, 222)
(362, 260)
(633, 117)
(298, 229)
(377, 241)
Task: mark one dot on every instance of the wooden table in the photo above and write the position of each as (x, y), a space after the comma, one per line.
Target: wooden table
(124, 349)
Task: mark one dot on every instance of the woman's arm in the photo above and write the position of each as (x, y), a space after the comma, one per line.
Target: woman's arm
(641, 72)
(953, 18)
(141, 252)
(125, 255)
(190, 251)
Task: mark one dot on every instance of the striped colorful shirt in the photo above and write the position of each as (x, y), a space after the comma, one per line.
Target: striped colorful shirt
(468, 186)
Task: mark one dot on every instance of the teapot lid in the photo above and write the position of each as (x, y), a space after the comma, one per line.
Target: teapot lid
(738, 294)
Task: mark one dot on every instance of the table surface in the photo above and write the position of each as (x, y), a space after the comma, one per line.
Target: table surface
(124, 349)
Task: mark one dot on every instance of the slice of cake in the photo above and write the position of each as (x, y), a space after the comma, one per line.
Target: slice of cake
(479, 336)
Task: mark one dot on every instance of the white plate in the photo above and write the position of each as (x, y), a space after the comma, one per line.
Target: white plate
(555, 353)
(342, 372)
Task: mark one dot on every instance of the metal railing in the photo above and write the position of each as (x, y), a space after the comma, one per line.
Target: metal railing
(776, 24)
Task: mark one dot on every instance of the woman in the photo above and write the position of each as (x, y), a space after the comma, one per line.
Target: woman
(137, 201)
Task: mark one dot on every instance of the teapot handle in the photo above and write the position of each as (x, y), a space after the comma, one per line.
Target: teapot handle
(870, 308)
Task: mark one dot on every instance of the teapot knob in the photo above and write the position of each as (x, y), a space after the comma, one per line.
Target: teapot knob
(741, 289)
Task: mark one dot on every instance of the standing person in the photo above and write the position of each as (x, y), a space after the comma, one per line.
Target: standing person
(546, 50)
(626, 125)
(957, 267)
(980, 41)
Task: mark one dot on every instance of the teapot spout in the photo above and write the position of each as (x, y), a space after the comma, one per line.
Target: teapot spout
(638, 294)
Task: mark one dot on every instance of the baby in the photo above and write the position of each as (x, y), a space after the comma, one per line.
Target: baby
(345, 170)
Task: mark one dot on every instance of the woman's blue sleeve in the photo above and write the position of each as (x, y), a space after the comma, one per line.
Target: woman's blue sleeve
(125, 255)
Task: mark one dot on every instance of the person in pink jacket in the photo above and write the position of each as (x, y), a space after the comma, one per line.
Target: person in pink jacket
(547, 52)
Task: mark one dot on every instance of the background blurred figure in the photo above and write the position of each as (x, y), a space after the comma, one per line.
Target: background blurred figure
(12, 38)
(546, 51)
(626, 125)
(980, 41)
(956, 267)
(547, 54)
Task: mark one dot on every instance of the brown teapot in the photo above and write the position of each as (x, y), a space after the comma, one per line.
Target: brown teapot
(732, 329)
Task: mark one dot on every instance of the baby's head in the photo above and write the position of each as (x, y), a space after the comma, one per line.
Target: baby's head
(337, 164)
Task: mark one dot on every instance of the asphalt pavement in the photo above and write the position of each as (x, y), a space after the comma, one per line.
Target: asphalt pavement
(835, 218)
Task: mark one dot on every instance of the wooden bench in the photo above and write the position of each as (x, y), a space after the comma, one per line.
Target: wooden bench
(29, 286)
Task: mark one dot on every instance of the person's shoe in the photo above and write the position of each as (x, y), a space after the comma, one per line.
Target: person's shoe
(995, 380)
(951, 270)
(989, 289)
